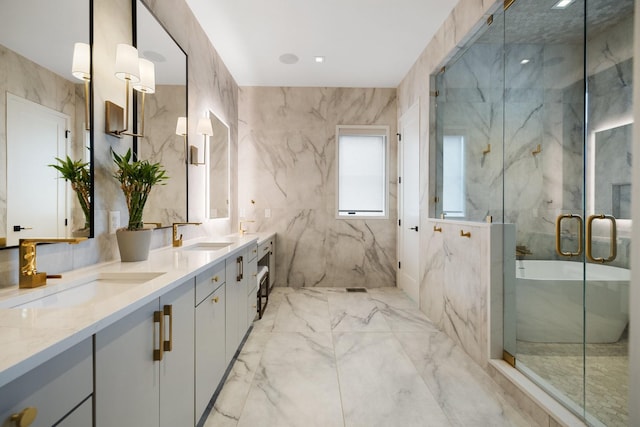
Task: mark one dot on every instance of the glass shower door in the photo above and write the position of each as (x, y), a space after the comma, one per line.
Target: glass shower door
(609, 58)
(544, 193)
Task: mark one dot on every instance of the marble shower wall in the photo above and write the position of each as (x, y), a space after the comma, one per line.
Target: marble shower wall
(211, 87)
(287, 164)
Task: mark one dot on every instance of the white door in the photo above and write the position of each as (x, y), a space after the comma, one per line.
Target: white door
(35, 196)
(409, 204)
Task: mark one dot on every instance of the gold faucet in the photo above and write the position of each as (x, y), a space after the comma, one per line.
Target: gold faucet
(177, 241)
(242, 230)
(29, 277)
(521, 251)
(156, 224)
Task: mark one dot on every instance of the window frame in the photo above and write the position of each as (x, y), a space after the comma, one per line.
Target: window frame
(457, 133)
(365, 130)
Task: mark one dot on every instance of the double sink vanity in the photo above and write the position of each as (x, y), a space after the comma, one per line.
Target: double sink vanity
(142, 344)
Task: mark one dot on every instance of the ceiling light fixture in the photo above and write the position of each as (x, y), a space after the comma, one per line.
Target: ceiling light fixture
(319, 59)
(562, 4)
(525, 61)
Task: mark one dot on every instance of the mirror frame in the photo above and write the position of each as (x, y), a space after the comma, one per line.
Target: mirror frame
(134, 32)
(91, 132)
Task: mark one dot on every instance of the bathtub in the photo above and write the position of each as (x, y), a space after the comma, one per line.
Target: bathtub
(549, 301)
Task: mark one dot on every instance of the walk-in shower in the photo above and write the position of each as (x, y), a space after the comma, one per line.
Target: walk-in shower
(533, 128)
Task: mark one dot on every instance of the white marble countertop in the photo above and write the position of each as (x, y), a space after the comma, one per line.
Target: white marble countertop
(31, 336)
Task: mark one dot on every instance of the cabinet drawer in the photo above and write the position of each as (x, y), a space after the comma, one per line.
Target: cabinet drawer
(82, 416)
(251, 276)
(54, 388)
(209, 281)
(252, 252)
(264, 248)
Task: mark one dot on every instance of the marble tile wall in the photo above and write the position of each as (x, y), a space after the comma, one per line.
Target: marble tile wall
(211, 87)
(287, 164)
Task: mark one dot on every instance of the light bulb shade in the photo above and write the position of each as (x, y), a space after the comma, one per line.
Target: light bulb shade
(181, 126)
(204, 127)
(147, 83)
(81, 65)
(127, 64)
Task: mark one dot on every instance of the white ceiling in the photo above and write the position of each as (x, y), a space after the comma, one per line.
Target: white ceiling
(366, 43)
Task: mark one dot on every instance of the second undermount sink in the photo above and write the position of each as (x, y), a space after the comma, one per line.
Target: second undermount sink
(92, 289)
(208, 246)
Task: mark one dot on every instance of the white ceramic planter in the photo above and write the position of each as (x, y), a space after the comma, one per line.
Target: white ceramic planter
(133, 245)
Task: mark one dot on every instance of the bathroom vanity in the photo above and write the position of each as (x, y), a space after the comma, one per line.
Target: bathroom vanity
(138, 343)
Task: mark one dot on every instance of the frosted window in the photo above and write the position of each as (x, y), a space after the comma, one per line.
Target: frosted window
(361, 174)
(453, 175)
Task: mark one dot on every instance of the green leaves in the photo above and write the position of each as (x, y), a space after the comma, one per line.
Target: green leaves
(78, 174)
(137, 178)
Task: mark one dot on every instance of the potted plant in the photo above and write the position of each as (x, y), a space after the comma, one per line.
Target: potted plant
(136, 178)
(78, 175)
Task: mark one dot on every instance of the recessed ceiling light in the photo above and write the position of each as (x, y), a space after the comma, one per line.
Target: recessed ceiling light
(288, 58)
(319, 59)
(525, 61)
(562, 4)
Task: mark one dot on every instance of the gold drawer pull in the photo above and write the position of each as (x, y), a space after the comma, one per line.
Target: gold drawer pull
(467, 234)
(26, 417)
(168, 344)
(215, 278)
(215, 299)
(255, 251)
(437, 229)
(158, 317)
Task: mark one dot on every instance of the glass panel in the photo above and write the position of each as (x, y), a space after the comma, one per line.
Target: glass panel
(609, 26)
(469, 106)
(453, 175)
(161, 142)
(544, 175)
(218, 168)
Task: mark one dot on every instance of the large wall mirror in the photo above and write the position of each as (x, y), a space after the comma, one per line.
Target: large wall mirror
(162, 141)
(218, 168)
(45, 113)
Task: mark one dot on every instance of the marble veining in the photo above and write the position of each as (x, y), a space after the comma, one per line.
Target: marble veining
(288, 152)
(368, 375)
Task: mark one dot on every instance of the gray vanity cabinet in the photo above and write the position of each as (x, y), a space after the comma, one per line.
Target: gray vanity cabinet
(210, 335)
(144, 364)
(60, 390)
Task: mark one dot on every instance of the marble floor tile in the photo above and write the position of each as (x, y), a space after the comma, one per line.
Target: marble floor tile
(306, 310)
(296, 383)
(355, 312)
(465, 392)
(322, 357)
(379, 384)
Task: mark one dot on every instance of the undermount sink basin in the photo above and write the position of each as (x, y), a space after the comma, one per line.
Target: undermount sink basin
(208, 246)
(94, 288)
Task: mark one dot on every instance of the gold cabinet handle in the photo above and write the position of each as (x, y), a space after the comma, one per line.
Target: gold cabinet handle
(168, 344)
(613, 242)
(239, 269)
(26, 417)
(467, 234)
(266, 248)
(215, 279)
(215, 299)
(559, 239)
(158, 317)
(255, 251)
(437, 229)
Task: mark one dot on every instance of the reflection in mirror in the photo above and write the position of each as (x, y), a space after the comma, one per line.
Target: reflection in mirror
(168, 203)
(218, 168)
(612, 172)
(43, 98)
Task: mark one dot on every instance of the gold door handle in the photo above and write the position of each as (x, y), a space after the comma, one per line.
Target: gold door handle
(215, 299)
(437, 229)
(215, 278)
(26, 417)
(559, 239)
(168, 344)
(158, 317)
(613, 242)
(467, 234)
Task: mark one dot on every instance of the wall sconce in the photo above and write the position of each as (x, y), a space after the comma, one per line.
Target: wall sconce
(81, 69)
(134, 71)
(204, 128)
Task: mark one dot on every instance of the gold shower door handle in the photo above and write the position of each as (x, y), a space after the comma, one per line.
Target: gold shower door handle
(613, 247)
(559, 239)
